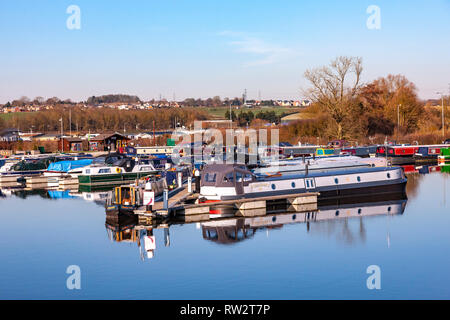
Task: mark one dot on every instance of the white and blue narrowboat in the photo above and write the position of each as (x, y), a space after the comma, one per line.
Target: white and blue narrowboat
(227, 182)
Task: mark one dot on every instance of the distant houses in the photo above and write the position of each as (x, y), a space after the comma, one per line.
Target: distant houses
(293, 103)
(10, 135)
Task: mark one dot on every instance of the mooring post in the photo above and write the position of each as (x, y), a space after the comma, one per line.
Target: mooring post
(166, 199)
(180, 179)
(190, 184)
(306, 168)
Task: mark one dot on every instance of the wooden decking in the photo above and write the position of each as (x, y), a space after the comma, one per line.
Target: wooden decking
(249, 207)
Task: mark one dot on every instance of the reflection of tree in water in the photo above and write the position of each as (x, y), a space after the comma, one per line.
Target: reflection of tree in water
(341, 229)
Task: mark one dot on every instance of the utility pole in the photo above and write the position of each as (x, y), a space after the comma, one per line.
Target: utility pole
(398, 120)
(62, 142)
(443, 121)
(70, 121)
(443, 117)
(231, 118)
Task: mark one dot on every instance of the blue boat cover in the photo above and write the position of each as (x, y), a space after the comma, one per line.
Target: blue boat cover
(65, 166)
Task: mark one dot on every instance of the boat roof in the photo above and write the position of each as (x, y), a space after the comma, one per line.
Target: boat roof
(293, 175)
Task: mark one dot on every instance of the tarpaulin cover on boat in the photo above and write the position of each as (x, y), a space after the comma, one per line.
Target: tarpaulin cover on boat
(29, 165)
(65, 166)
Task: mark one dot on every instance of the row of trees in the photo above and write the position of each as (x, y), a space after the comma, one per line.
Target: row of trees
(246, 117)
(112, 98)
(123, 98)
(94, 119)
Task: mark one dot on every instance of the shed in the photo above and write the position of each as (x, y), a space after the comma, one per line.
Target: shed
(108, 142)
(71, 144)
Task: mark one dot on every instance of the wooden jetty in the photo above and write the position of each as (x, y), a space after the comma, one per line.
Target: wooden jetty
(181, 206)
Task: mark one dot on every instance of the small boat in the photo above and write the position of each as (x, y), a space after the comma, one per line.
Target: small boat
(229, 182)
(320, 164)
(127, 198)
(114, 175)
(427, 153)
(363, 152)
(69, 167)
(406, 154)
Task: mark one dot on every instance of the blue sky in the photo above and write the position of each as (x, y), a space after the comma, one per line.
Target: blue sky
(207, 48)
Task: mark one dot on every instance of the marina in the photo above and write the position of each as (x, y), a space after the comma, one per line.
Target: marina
(218, 157)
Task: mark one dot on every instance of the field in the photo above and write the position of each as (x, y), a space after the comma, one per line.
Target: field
(219, 112)
(7, 116)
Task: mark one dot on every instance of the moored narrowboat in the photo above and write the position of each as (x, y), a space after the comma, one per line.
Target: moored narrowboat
(406, 154)
(444, 156)
(227, 182)
(114, 175)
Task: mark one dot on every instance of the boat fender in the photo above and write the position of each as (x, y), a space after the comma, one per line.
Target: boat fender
(118, 170)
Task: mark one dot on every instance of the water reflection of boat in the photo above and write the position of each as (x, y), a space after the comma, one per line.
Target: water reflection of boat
(422, 169)
(124, 229)
(128, 228)
(235, 230)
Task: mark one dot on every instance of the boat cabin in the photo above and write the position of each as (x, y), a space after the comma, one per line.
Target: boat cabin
(322, 152)
(101, 170)
(225, 176)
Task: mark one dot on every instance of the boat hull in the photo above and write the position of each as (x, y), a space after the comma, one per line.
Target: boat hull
(111, 179)
(340, 192)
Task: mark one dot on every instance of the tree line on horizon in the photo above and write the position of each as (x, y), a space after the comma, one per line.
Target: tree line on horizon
(215, 101)
(101, 119)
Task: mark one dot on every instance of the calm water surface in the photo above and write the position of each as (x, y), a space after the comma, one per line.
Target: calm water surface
(42, 234)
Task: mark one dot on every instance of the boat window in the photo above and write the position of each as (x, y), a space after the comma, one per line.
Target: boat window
(293, 184)
(247, 177)
(336, 180)
(238, 176)
(229, 177)
(389, 175)
(104, 171)
(307, 183)
(210, 177)
(320, 152)
(88, 171)
(273, 186)
(359, 179)
(337, 213)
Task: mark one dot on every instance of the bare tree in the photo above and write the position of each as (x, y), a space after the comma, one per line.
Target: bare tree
(335, 87)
